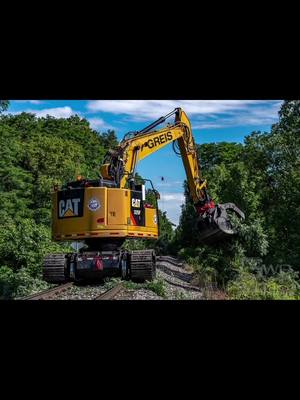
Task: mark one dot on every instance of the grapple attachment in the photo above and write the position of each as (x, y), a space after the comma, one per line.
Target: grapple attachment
(214, 225)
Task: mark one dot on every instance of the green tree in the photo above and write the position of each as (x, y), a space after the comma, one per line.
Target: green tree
(4, 104)
(283, 195)
(262, 177)
(38, 153)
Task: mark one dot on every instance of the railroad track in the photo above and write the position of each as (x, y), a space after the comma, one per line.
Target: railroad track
(167, 264)
(50, 294)
(110, 293)
(170, 260)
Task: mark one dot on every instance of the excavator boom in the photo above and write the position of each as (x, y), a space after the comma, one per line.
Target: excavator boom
(214, 220)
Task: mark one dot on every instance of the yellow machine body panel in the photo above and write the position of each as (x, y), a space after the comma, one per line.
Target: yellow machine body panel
(117, 212)
(150, 230)
(101, 212)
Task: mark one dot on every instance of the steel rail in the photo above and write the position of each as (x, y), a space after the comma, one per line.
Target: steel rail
(110, 293)
(170, 260)
(48, 293)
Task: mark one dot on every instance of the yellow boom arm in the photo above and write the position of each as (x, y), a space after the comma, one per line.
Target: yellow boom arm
(146, 142)
(119, 167)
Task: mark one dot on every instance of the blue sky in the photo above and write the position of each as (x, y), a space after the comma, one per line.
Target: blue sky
(212, 121)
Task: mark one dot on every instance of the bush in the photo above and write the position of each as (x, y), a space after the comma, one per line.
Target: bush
(204, 274)
(23, 245)
(18, 284)
(157, 286)
(248, 286)
(8, 282)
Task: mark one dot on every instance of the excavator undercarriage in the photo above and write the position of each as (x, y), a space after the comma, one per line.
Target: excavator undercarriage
(137, 265)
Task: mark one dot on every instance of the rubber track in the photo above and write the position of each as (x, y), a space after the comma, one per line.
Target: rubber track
(54, 268)
(142, 265)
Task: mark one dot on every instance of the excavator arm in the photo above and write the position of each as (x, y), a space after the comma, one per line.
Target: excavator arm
(120, 165)
(139, 145)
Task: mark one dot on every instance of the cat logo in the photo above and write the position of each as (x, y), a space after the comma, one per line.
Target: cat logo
(68, 208)
(136, 203)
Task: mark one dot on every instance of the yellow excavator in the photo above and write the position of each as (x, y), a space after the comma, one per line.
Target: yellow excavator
(104, 212)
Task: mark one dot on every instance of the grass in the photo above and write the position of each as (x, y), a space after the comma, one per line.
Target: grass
(157, 286)
(109, 283)
(132, 285)
(181, 296)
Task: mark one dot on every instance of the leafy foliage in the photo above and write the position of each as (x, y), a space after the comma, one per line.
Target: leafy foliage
(4, 105)
(247, 286)
(262, 177)
(38, 153)
(19, 284)
(24, 244)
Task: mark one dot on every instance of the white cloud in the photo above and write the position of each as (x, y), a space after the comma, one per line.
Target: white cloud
(207, 125)
(261, 114)
(171, 203)
(206, 114)
(174, 197)
(168, 184)
(145, 109)
(30, 101)
(57, 112)
(99, 123)
(36, 101)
